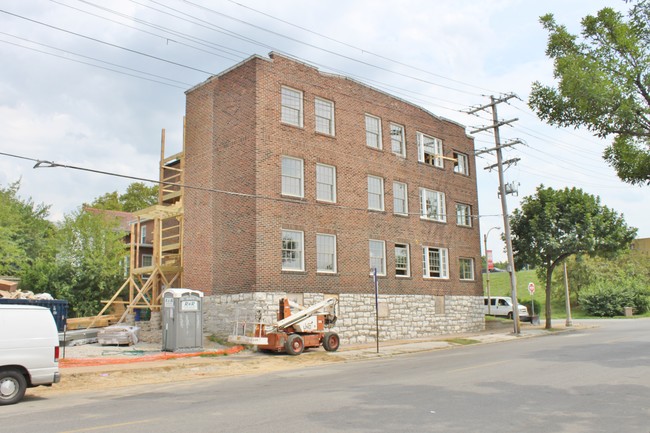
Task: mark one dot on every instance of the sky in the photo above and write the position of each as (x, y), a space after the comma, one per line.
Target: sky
(92, 86)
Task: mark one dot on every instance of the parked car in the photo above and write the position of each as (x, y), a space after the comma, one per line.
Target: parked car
(502, 306)
(29, 350)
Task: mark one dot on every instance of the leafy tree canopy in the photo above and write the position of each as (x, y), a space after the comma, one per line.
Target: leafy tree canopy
(555, 224)
(137, 196)
(603, 85)
(87, 266)
(24, 230)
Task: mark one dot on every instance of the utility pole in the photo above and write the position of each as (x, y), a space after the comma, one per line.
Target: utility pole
(502, 192)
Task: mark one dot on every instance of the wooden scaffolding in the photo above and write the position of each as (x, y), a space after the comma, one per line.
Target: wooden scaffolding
(144, 285)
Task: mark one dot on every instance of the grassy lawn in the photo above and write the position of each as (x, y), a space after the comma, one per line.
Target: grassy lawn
(500, 286)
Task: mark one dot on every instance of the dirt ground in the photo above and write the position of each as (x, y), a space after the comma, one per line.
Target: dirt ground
(84, 379)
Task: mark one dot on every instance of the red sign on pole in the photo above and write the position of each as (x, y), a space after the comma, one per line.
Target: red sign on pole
(490, 263)
(531, 288)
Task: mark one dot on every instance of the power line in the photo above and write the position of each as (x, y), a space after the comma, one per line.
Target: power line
(40, 163)
(106, 43)
(363, 50)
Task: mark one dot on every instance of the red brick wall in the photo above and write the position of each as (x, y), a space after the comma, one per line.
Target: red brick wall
(245, 238)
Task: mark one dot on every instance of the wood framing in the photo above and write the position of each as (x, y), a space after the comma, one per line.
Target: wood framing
(144, 286)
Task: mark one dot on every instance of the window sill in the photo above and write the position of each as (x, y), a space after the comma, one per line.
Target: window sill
(291, 125)
(436, 278)
(377, 210)
(293, 197)
(463, 226)
(324, 134)
(432, 220)
(401, 215)
(377, 149)
(325, 201)
(327, 274)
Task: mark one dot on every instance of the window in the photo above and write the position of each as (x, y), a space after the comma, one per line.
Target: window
(463, 215)
(325, 183)
(147, 260)
(402, 267)
(375, 193)
(324, 113)
(291, 106)
(373, 131)
(325, 253)
(292, 250)
(461, 165)
(143, 234)
(433, 205)
(397, 139)
(466, 268)
(434, 262)
(400, 199)
(377, 256)
(292, 180)
(430, 150)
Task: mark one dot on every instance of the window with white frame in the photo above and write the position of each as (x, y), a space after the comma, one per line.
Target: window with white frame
(325, 253)
(292, 176)
(373, 131)
(324, 114)
(291, 106)
(466, 268)
(143, 234)
(292, 250)
(430, 150)
(461, 166)
(463, 215)
(147, 260)
(397, 141)
(326, 183)
(400, 199)
(434, 262)
(432, 205)
(375, 193)
(377, 256)
(402, 262)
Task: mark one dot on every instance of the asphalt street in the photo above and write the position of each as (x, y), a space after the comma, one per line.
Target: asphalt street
(590, 380)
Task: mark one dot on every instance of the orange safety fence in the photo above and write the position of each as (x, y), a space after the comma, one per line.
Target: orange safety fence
(89, 362)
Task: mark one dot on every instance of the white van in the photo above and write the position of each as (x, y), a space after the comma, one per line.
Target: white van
(29, 350)
(502, 306)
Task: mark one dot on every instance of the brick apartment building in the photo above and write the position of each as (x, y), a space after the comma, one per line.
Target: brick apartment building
(316, 179)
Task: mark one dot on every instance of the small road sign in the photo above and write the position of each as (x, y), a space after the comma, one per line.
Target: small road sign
(531, 288)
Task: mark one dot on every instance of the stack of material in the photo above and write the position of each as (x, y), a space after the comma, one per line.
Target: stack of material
(9, 290)
(118, 335)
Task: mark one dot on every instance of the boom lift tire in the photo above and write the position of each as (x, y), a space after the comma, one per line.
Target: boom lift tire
(294, 345)
(331, 341)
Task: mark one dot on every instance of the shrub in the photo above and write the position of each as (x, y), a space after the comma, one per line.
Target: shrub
(529, 305)
(607, 301)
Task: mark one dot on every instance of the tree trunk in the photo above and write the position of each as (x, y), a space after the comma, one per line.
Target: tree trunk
(547, 309)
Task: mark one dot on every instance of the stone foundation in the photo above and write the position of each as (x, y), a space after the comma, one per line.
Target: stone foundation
(400, 316)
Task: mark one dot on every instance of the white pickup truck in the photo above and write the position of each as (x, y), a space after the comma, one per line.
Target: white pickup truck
(502, 306)
(29, 350)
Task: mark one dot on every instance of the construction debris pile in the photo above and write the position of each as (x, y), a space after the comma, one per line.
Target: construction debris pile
(9, 290)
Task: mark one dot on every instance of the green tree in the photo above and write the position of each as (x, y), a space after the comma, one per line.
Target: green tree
(137, 196)
(87, 266)
(108, 201)
(555, 224)
(25, 232)
(603, 85)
